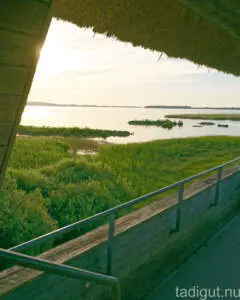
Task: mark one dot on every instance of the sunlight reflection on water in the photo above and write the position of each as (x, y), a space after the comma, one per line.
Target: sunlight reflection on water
(117, 119)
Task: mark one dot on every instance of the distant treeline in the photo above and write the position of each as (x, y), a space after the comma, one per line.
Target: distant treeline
(168, 106)
(217, 117)
(39, 103)
(71, 131)
(191, 107)
(36, 103)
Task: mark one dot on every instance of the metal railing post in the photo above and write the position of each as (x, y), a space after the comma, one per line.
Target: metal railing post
(111, 232)
(219, 177)
(117, 292)
(179, 207)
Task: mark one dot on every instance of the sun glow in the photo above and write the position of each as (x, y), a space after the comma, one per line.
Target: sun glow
(57, 55)
(78, 66)
(36, 114)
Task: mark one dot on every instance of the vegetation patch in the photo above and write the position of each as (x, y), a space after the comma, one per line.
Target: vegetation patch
(223, 125)
(161, 123)
(69, 132)
(222, 117)
(207, 123)
(47, 186)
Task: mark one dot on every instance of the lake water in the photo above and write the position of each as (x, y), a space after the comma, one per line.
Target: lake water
(117, 119)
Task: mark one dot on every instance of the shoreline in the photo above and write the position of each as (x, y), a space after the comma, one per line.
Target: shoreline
(46, 104)
(213, 117)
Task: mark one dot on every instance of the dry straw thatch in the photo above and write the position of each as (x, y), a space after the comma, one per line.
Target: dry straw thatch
(206, 32)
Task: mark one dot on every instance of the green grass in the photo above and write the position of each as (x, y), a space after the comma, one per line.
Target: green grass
(148, 166)
(207, 123)
(32, 152)
(48, 186)
(223, 125)
(220, 117)
(69, 132)
(161, 123)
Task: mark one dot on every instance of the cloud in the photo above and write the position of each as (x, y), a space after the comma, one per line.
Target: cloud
(101, 70)
(84, 72)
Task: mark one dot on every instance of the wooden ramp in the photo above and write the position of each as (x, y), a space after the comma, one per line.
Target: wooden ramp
(214, 269)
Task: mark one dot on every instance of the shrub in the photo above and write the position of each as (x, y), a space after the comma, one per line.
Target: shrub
(22, 216)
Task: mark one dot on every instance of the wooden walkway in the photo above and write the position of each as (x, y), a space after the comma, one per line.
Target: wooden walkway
(212, 273)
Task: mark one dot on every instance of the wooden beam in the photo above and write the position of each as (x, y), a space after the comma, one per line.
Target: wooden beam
(2, 151)
(13, 80)
(33, 18)
(8, 115)
(25, 16)
(13, 48)
(5, 131)
(9, 101)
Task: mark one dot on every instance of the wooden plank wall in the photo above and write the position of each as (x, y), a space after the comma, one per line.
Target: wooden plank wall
(23, 28)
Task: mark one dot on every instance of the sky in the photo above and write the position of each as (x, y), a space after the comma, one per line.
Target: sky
(77, 66)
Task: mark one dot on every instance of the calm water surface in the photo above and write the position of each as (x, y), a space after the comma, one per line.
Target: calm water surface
(117, 119)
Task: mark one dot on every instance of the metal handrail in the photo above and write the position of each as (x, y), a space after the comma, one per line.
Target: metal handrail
(112, 211)
(72, 272)
(60, 269)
